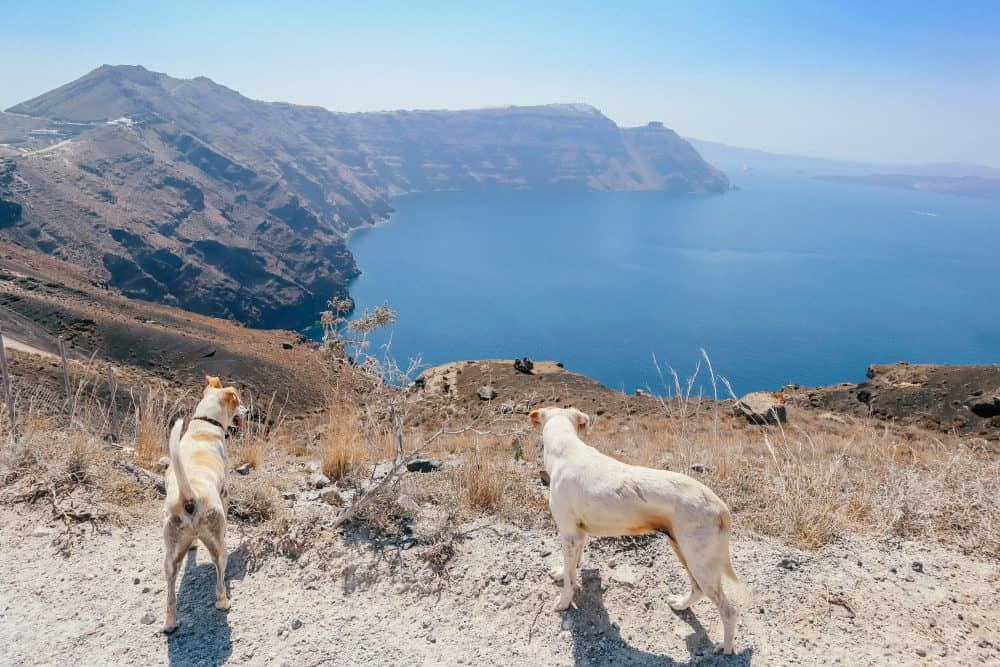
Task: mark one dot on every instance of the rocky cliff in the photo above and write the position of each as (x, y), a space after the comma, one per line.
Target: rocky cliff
(186, 192)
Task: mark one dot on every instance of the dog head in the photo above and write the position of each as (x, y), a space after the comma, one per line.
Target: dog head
(228, 400)
(541, 416)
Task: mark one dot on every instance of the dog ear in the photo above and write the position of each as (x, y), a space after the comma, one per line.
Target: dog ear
(232, 398)
(582, 420)
(536, 417)
(213, 382)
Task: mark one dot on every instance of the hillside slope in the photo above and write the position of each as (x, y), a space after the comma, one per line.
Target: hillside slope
(186, 192)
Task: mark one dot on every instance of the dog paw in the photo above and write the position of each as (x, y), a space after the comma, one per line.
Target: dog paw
(222, 604)
(676, 602)
(167, 629)
(563, 604)
(721, 648)
(557, 574)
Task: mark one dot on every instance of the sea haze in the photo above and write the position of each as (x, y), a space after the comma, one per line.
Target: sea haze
(786, 280)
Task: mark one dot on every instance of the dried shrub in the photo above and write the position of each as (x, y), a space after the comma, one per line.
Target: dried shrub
(254, 501)
(342, 447)
(486, 479)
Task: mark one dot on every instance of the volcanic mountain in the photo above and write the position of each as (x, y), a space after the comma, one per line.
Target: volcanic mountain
(188, 193)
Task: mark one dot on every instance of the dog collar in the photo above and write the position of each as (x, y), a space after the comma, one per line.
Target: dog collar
(213, 423)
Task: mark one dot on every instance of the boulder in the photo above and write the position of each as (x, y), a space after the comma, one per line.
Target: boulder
(985, 405)
(486, 393)
(243, 469)
(762, 407)
(524, 365)
(423, 465)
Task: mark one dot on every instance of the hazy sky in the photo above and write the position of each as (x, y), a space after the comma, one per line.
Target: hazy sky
(900, 81)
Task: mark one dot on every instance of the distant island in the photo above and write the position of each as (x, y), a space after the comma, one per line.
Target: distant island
(968, 186)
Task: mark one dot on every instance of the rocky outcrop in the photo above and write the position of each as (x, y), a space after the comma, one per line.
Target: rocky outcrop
(762, 407)
(960, 399)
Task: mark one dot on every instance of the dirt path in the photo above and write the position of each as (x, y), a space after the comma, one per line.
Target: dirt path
(857, 603)
(12, 344)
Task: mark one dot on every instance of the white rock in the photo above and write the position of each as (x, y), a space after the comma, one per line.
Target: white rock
(624, 574)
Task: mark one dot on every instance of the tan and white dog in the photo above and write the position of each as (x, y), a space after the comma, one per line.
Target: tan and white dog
(594, 494)
(196, 489)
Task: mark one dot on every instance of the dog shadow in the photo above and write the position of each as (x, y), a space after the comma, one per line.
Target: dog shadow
(598, 641)
(203, 634)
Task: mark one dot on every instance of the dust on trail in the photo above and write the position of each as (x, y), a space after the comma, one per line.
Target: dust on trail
(11, 344)
(860, 602)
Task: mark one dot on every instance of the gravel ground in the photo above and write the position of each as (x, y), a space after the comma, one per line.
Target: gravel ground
(856, 603)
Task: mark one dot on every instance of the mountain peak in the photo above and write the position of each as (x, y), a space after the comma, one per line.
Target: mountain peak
(113, 91)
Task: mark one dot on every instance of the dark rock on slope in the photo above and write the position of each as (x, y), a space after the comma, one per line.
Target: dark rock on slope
(963, 399)
(186, 192)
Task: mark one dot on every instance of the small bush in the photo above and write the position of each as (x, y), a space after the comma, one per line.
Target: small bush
(254, 501)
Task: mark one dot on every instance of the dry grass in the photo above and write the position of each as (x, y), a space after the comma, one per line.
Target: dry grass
(811, 482)
(152, 418)
(486, 479)
(342, 447)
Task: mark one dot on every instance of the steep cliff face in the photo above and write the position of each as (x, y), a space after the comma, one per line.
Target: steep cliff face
(186, 192)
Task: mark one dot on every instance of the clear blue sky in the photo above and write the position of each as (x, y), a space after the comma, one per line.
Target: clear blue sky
(886, 81)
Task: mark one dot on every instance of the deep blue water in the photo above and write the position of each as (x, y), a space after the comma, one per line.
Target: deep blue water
(788, 279)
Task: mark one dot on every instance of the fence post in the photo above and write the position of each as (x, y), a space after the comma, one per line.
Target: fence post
(7, 392)
(115, 427)
(65, 366)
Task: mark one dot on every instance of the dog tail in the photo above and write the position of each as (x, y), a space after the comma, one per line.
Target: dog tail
(183, 485)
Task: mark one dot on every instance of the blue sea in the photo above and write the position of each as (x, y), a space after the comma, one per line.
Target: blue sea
(788, 279)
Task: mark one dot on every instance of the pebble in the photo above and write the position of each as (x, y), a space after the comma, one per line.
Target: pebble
(147, 619)
(318, 480)
(136, 581)
(243, 469)
(917, 566)
(921, 652)
(296, 624)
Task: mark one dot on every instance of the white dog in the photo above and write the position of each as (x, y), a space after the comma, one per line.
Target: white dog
(196, 489)
(593, 494)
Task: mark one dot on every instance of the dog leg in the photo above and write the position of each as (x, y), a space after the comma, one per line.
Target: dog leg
(709, 579)
(572, 547)
(682, 602)
(171, 566)
(557, 574)
(215, 541)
